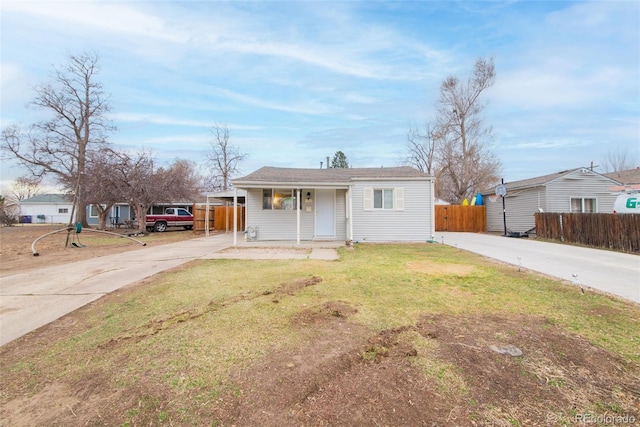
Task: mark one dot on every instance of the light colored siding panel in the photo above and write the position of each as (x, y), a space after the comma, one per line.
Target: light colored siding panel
(413, 224)
(520, 206)
(583, 185)
(521, 209)
(493, 211)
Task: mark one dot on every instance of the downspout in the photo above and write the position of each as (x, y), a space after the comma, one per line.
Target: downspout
(235, 216)
(298, 204)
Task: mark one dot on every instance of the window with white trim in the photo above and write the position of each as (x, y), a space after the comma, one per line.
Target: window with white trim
(383, 199)
(583, 205)
(63, 210)
(279, 199)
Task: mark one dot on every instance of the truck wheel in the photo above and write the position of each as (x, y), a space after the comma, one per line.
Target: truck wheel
(160, 227)
(188, 227)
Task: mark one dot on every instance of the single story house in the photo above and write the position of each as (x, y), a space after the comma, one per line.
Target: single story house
(345, 204)
(118, 214)
(47, 208)
(575, 190)
(123, 213)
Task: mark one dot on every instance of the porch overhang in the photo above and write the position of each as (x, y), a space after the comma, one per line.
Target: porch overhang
(298, 187)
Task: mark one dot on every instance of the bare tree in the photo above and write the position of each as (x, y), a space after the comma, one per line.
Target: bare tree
(102, 187)
(78, 124)
(24, 188)
(466, 163)
(9, 212)
(185, 183)
(619, 158)
(133, 177)
(421, 147)
(138, 182)
(224, 158)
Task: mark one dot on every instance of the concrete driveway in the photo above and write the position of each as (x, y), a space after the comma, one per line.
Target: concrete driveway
(35, 298)
(611, 272)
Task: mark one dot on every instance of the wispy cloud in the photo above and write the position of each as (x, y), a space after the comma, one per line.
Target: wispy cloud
(111, 17)
(296, 81)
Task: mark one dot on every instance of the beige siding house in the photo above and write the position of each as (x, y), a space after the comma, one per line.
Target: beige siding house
(354, 204)
(575, 190)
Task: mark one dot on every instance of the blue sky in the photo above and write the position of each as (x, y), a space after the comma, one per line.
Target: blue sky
(297, 81)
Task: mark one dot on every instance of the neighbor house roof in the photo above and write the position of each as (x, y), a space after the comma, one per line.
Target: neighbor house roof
(334, 176)
(540, 180)
(48, 199)
(626, 177)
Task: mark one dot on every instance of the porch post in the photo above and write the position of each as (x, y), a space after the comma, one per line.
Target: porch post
(350, 211)
(298, 204)
(235, 216)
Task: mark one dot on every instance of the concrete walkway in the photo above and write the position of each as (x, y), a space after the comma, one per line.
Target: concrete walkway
(35, 298)
(611, 272)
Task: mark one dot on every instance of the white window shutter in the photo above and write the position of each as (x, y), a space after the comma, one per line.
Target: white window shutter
(368, 199)
(398, 196)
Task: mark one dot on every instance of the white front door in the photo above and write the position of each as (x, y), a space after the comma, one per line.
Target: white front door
(325, 214)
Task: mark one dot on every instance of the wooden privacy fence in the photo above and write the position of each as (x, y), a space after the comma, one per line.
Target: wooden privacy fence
(620, 232)
(461, 218)
(220, 218)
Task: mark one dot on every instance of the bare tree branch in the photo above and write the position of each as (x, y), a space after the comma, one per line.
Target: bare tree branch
(223, 157)
(78, 124)
(619, 158)
(465, 162)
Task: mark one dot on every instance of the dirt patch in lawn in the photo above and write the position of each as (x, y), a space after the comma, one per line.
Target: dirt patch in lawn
(441, 371)
(16, 241)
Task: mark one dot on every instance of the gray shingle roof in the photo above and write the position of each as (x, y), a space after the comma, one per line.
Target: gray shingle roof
(626, 177)
(49, 199)
(270, 175)
(537, 181)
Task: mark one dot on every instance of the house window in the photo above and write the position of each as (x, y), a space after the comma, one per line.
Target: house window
(63, 210)
(93, 212)
(279, 199)
(383, 199)
(583, 205)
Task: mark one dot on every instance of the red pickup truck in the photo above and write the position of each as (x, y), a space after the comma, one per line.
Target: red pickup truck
(172, 217)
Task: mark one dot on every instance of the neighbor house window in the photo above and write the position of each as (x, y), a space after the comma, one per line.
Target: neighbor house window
(63, 210)
(279, 199)
(93, 211)
(583, 205)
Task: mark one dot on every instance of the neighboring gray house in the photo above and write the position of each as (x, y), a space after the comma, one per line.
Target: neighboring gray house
(357, 204)
(47, 208)
(575, 190)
